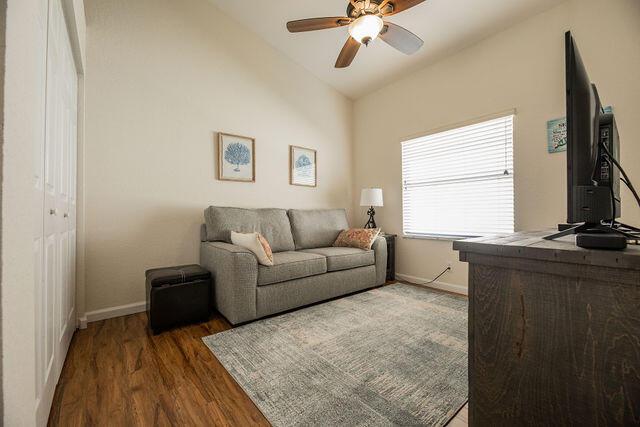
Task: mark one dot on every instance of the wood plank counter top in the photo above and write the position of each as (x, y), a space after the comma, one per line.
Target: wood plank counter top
(531, 245)
(554, 332)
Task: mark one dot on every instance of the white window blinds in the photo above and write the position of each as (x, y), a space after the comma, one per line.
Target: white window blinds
(459, 183)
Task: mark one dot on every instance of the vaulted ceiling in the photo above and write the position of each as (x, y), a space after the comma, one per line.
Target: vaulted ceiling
(446, 26)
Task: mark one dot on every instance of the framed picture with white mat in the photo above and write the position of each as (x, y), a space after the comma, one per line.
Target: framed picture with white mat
(303, 168)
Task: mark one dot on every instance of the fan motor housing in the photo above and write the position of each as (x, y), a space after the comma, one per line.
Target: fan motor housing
(367, 6)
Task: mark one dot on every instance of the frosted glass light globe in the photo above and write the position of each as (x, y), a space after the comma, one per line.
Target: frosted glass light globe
(366, 28)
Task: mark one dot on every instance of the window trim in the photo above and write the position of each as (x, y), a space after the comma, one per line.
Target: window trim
(474, 121)
(431, 236)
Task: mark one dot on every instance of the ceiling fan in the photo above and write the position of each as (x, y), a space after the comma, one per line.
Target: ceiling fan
(364, 18)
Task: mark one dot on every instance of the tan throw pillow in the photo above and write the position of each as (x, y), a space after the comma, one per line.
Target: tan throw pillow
(361, 238)
(256, 243)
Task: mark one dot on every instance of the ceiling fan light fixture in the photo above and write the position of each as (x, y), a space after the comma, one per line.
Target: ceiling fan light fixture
(364, 18)
(366, 28)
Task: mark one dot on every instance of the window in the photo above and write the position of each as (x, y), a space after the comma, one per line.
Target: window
(459, 183)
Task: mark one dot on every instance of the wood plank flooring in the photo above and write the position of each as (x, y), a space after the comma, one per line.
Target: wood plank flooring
(118, 374)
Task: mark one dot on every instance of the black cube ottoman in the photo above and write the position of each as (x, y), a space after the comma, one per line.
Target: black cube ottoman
(177, 295)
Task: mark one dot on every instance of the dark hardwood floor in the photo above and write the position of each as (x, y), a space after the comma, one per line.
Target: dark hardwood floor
(118, 374)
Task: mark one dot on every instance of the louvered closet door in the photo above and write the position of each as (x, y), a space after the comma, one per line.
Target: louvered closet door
(56, 316)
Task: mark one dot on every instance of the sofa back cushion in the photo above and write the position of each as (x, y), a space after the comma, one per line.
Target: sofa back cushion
(317, 228)
(273, 224)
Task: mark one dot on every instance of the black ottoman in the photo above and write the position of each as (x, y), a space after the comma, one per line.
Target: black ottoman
(177, 295)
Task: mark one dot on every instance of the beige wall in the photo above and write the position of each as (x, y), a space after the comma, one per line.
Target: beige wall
(521, 68)
(162, 77)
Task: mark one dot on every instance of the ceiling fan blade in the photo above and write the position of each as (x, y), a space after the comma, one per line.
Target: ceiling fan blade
(401, 5)
(314, 24)
(348, 52)
(400, 38)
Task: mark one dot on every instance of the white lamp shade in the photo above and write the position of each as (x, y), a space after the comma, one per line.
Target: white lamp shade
(371, 197)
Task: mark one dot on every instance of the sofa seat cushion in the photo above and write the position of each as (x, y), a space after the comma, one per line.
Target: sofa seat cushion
(291, 265)
(344, 258)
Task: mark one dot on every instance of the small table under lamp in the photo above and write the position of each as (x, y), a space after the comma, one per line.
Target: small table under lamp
(371, 197)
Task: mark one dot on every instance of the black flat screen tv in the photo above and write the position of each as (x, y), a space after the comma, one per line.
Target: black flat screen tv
(593, 189)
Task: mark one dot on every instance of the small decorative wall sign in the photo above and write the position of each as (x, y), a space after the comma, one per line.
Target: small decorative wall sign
(236, 158)
(302, 166)
(557, 133)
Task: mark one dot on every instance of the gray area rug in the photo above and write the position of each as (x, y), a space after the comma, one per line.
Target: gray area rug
(392, 355)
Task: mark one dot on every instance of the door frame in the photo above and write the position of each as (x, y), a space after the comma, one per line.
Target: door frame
(3, 32)
(76, 27)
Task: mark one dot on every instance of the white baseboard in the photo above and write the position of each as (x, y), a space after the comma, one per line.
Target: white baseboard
(111, 312)
(139, 307)
(443, 286)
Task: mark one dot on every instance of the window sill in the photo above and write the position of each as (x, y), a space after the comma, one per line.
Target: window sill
(437, 237)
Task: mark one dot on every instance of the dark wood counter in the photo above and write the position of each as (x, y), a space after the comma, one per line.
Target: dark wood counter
(554, 332)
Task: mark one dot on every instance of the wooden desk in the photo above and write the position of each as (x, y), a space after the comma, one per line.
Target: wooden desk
(554, 332)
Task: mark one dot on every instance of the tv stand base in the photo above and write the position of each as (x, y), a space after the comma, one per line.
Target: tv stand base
(593, 236)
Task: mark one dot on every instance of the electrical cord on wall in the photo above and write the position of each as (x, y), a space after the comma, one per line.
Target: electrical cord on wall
(439, 275)
(434, 279)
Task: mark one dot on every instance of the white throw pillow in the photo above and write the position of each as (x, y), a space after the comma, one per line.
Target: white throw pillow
(256, 243)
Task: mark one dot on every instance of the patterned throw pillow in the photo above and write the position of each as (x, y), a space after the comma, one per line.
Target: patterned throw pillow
(361, 238)
(256, 243)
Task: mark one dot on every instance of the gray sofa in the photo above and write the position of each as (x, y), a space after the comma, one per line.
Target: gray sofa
(306, 269)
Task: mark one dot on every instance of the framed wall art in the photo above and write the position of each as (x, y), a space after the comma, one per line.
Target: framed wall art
(236, 158)
(303, 168)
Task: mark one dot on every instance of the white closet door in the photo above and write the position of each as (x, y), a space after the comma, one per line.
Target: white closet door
(56, 317)
(38, 189)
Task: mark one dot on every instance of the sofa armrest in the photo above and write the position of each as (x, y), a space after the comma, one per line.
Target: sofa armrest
(235, 277)
(380, 251)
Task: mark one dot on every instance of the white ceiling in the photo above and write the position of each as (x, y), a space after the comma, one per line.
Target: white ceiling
(446, 26)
